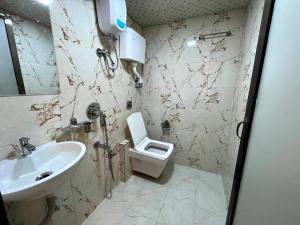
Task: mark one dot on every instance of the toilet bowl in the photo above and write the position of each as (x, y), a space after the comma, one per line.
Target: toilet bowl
(148, 156)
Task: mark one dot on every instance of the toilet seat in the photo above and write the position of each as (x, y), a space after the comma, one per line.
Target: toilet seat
(148, 156)
(142, 146)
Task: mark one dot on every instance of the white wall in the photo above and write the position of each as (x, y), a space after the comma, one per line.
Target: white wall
(270, 189)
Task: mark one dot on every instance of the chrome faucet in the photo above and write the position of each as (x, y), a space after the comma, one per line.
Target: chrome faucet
(74, 125)
(26, 148)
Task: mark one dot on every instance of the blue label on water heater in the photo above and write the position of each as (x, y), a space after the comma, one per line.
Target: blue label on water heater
(121, 24)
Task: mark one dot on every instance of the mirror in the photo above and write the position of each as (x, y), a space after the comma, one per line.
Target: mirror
(27, 57)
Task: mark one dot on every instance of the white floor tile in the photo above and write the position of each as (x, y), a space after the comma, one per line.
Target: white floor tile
(210, 200)
(205, 217)
(176, 212)
(181, 196)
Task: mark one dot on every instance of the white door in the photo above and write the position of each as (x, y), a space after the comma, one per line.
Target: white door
(270, 186)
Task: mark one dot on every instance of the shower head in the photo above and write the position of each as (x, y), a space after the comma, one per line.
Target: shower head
(102, 119)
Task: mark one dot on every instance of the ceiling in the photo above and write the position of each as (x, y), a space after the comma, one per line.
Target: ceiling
(28, 9)
(153, 12)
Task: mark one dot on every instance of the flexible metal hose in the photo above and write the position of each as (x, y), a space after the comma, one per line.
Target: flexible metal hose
(109, 65)
(109, 153)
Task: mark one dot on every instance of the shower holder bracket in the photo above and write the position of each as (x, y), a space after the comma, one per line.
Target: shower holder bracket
(98, 145)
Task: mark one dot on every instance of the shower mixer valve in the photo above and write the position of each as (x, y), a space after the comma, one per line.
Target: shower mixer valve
(93, 111)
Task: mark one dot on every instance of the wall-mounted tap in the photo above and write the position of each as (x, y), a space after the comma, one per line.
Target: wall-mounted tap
(26, 148)
(166, 127)
(74, 125)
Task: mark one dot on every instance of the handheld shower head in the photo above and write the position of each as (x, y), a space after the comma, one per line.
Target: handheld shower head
(102, 119)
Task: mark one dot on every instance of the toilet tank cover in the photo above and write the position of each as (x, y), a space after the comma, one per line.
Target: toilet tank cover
(137, 127)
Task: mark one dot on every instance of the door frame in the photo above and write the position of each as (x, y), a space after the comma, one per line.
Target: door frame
(250, 107)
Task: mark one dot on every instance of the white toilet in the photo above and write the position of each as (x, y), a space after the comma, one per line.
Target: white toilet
(148, 156)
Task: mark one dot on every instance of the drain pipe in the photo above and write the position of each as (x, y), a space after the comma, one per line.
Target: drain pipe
(138, 79)
(51, 209)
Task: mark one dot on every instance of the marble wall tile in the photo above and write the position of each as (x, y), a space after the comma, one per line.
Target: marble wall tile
(37, 117)
(18, 212)
(36, 55)
(83, 79)
(252, 26)
(192, 84)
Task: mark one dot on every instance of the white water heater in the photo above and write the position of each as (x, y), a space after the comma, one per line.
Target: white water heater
(111, 15)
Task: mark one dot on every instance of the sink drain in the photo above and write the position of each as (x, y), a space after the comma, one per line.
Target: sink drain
(43, 175)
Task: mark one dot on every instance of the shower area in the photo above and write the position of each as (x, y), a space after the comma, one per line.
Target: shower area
(196, 78)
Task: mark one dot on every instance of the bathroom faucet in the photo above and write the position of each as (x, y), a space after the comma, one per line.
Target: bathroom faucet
(26, 148)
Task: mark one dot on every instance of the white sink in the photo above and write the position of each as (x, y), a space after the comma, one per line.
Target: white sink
(19, 177)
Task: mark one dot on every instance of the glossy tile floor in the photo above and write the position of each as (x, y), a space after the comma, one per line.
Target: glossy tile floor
(181, 196)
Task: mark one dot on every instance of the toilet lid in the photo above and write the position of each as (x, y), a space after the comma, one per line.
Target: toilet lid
(137, 127)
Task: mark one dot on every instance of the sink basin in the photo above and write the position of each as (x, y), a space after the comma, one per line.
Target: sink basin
(41, 172)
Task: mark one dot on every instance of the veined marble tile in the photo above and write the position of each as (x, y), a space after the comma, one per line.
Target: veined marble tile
(176, 214)
(252, 26)
(143, 200)
(65, 208)
(148, 202)
(37, 117)
(17, 212)
(83, 80)
(132, 218)
(205, 217)
(107, 212)
(192, 84)
(211, 200)
(182, 190)
(36, 55)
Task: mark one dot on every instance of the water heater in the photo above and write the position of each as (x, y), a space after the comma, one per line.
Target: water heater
(111, 15)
